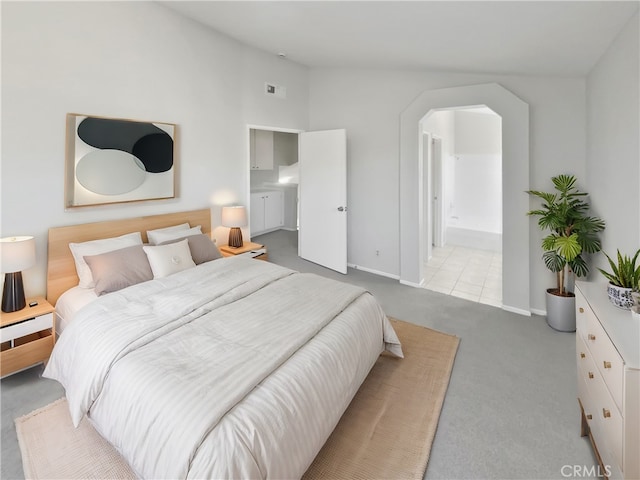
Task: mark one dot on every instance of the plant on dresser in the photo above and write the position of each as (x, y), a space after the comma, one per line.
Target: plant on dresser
(623, 279)
(608, 361)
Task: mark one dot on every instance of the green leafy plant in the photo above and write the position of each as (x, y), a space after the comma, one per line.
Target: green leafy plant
(572, 232)
(624, 274)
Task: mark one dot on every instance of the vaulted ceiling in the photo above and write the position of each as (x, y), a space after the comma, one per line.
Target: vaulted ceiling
(563, 38)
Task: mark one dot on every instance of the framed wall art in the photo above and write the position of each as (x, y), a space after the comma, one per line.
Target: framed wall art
(113, 160)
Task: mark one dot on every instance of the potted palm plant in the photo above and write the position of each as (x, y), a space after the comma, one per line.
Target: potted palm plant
(572, 233)
(624, 278)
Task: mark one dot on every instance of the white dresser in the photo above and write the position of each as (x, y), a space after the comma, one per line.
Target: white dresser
(608, 356)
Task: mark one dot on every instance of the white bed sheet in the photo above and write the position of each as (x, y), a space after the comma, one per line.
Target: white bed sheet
(172, 372)
(69, 303)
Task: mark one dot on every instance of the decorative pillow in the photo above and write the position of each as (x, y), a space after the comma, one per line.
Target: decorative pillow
(168, 259)
(119, 269)
(202, 248)
(151, 234)
(164, 237)
(95, 247)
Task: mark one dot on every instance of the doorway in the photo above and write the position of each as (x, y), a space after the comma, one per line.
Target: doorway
(310, 167)
(273, 184)
(416, 194)
(462, 154)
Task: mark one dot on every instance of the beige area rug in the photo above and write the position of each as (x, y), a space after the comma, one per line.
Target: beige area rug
(386, 432)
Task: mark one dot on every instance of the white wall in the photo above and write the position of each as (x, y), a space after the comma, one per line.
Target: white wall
(477, 169)
(472, 170)
(368, 104)
(142, 61)
(134, 60)
(613, 145)
(478, 133)
(477, 193)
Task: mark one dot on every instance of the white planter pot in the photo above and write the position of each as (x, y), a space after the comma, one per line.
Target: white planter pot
(619, 296)
(561, 311)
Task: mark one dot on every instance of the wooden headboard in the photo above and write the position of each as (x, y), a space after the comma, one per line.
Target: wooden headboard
(61, 268)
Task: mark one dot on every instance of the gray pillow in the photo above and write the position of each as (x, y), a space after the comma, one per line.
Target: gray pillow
(202, 248)
(118, 269)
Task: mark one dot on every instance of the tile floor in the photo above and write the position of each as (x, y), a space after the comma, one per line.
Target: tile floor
(463, 272)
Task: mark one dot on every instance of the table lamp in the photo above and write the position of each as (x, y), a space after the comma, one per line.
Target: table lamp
(234, 217)
(16, 254)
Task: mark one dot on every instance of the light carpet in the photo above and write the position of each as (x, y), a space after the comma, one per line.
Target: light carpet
(386, 432)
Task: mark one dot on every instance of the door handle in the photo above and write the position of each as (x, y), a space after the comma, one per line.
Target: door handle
(342, 209)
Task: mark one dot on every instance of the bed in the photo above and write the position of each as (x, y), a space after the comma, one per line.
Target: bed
(234, 368)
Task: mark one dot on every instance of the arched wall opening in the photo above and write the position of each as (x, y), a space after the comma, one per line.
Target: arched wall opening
(462, 165)
(515, 181)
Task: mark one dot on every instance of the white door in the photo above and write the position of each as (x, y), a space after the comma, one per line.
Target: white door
(322, 237)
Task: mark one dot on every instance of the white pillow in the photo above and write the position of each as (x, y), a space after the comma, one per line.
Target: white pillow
(96, 247)
(163, 237)
(151, 234)
(168, 259)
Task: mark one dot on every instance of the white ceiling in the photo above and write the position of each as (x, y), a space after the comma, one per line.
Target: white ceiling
(563, 38)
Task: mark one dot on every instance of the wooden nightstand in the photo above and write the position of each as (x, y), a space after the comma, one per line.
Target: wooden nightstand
(26, 336)
(255, 250)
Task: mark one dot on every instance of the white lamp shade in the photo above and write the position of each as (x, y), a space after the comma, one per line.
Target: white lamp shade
(17, 254)
(234, 216)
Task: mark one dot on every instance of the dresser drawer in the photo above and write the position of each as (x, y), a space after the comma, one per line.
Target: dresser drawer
(585, 365)
(605, 356)
(610, 421)
(600, 410)
(587, 370)
(36, 350)
(22, 329)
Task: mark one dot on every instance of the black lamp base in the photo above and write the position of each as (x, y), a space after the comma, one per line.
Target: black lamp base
(235, 237)
(13, 293)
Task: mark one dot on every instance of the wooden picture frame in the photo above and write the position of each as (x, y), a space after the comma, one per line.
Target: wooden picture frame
(115, 160)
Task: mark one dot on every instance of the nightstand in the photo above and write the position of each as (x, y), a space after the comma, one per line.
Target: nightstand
(26, 336)
(255, 250)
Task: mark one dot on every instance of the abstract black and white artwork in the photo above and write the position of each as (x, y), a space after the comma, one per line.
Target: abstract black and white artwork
(112, 160)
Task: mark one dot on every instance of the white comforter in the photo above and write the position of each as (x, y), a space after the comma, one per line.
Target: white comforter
(234, 369)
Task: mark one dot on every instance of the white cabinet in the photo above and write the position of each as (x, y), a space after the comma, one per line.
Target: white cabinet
(267, 211)
(608, 356)
(261, 149)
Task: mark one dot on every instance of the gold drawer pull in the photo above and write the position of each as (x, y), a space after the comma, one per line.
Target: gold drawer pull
(606, 413)
(607, 364)
(582, 355)
(590, 374)
(589, 417)
(581, 310)
(591, 336)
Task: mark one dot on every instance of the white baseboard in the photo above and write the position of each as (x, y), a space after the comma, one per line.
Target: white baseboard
(519, 311)
(371, 270)
(542, 313)
(413, 284)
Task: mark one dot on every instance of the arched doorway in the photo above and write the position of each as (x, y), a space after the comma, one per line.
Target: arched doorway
(515, 178)
(463, 224)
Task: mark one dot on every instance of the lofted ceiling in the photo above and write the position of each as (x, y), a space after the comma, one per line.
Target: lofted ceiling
(559, 38)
